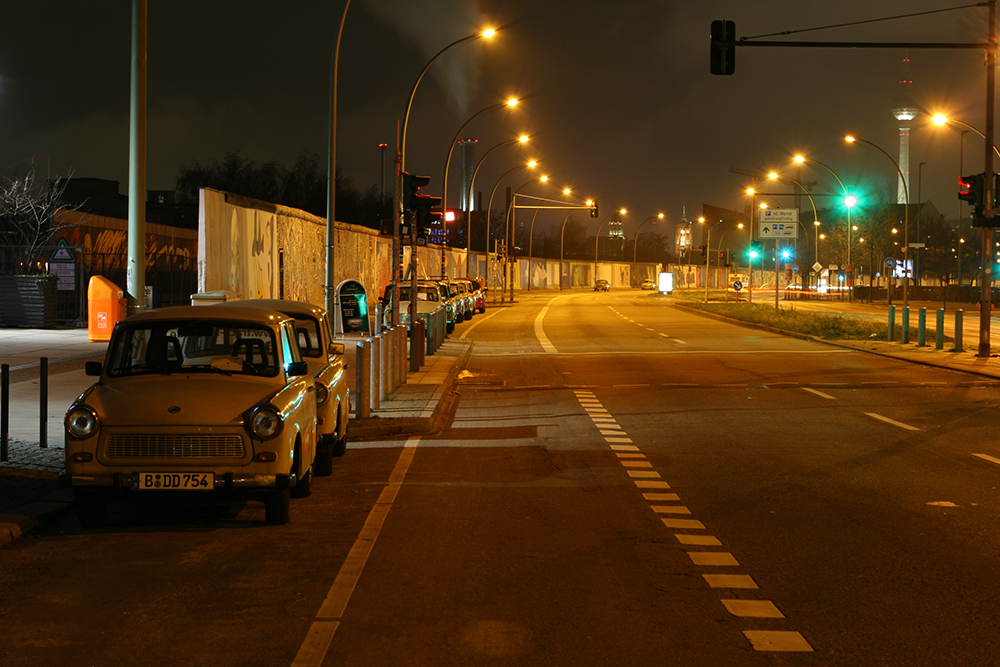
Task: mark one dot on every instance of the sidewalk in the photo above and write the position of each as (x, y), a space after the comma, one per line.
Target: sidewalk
(29, 491)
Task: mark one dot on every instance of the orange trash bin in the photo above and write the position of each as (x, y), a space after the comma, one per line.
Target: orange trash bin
(105, 306)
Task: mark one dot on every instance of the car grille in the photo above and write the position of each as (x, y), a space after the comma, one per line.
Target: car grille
(175, 446)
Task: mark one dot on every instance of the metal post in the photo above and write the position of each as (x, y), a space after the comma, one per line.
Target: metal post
(4, 412)
(906, 325)
(921, 327)
(939, 340)
(401, 354)
(383, 366)
(892, 323)
(376, 394)
(363, 378)
(958, 330)
(43, 402)
(391, 359)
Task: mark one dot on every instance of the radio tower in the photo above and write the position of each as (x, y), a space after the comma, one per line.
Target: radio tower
(905, 111)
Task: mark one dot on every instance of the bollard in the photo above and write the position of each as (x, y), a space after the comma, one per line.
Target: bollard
(906, 325)
(43, 402)
(921, 327)
(401, 354)
(892, 323)
(958, 330)
(414, 347)
(4, 412)
(376, 375)
(939, 340)
(384, 361)
(363, 379)
(391, 360)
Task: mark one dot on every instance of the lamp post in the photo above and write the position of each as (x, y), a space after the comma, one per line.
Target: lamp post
(444, 181)
(511, 232)
(472, 188)
(331, 170)
(531, 232)
(708, 251)
(398, 213)
(562, 236)
(906, 216)
(635, 245)
(489, 206)
(739, 225)
(775, 176)
(597, 237)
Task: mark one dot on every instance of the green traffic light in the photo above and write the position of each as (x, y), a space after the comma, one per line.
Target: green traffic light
(850, 201)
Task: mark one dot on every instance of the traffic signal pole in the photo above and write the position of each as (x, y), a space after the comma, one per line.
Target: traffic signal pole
(986, 296)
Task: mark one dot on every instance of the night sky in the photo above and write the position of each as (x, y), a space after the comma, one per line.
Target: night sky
(616, 96)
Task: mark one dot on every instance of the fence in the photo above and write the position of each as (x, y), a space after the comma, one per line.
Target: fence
(171, 278)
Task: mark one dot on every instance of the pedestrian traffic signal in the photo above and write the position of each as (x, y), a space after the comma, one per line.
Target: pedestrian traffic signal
(973, 192)
(723, 56)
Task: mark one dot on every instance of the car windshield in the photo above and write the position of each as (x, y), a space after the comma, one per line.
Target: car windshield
(202, 346)
(423, 294)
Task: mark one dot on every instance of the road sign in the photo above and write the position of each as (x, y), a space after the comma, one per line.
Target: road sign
(817, 266)
(795, 268)
(890, 263)
(918, 245)
(778, 215)
(737, 286)
(778, 223)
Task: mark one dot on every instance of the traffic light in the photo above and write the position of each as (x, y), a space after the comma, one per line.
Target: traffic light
(593, 210)
(729, 257)
(723, 56)
(786, 254)
(754, 251)
(412, 199)
(702, 250)
(973, 192)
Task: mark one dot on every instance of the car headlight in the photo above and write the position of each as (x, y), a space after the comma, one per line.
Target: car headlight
(322, 393)
(81, 421)
(265, 421)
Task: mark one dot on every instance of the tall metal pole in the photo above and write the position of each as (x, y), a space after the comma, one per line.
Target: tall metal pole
(136, 268)
(986, 295)
(331, 185)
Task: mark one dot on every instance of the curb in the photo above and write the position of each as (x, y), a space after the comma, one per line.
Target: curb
(39, 513)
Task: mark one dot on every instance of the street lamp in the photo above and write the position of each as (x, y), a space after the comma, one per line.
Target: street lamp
(906, 216)
(489, 207)
(531, 230)
(708, 250)
(597, 237)
(398, 213)
(444, 187)
(739, 225)
(775, 176)
(472, 188)
(510, 233)
(562, 234)
(941, 119)
(331, 169)
(635, 245)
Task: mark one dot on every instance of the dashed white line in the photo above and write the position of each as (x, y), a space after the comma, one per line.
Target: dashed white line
(892, 421)
(987, 457)
(818, 393)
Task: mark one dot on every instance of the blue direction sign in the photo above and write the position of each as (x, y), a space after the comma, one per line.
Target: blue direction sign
(737, 286)
(890, 263)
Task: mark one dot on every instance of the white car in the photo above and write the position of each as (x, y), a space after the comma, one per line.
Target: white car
(195, 402)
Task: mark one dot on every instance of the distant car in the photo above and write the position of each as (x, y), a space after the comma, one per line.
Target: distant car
(477, 292)
(326, 364)
(649, 283)
(195, 402)
(602, 286)
(467, 297)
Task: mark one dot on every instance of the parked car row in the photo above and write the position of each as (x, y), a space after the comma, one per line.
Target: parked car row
(243, 400)
(461, 299)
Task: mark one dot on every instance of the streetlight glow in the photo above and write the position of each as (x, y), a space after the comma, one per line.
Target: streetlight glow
(512, 102)
(489, 32)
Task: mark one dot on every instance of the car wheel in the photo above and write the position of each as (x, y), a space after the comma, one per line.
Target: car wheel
(91, 512)
(277, 506)
(340, 448)
(324, 456)
(304, 487)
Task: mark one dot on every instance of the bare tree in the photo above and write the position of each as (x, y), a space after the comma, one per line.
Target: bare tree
(27, 208)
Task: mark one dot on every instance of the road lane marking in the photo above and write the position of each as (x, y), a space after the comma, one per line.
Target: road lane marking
(670, 509)
(730, 580)
(892, 421)
(624, 448)
(713, 558)
(477, 323)
(649, 484)
(643, 473)
(698, 540)
(818, 393)
(752, 608)
(631, 463)
(618, 439)
(540, 332)
(320, 635)
(660, 497)
(777, 640)
(686, 524)
(987, 457)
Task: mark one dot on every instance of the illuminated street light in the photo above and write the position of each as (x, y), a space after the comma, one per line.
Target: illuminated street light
(635, 245)
(941, 119)
(597, 238)
(531, 230)
(906, 216)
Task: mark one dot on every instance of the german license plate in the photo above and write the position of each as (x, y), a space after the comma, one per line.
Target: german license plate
(173, 481)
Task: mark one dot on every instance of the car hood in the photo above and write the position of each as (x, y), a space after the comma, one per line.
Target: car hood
(179, 399)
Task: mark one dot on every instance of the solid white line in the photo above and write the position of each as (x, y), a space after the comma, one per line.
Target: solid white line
(892, 421)
(540, 332)
(987, 457)
(818, 393)
(317, 642)
(477, 323)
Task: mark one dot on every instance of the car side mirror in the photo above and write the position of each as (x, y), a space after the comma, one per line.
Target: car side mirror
(298, 368)
(336, 348)
(93, 368)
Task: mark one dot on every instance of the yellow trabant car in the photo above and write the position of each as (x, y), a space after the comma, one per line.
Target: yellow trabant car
(326, 364)
(195, 402)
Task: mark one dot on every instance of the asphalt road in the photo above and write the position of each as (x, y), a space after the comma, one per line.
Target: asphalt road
(617, 482)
